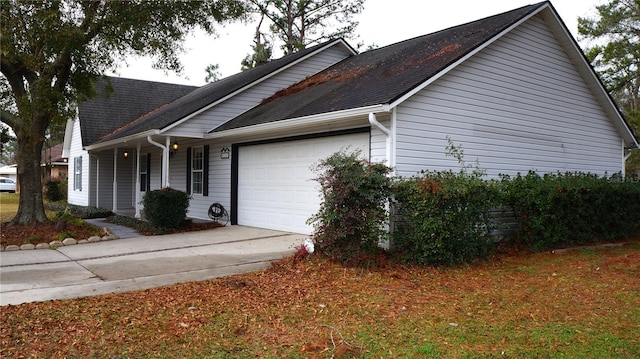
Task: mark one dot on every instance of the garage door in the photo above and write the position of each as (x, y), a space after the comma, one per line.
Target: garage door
(276, 189)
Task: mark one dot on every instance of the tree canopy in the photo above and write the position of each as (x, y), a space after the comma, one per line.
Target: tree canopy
(612, 42)
(52, 51)
(299, 23)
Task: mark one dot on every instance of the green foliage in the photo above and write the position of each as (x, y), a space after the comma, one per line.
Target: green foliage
(351, 219)
(78, 211)
(615, 52)
(139, 225)
(213, 73)
(63, 235)
(34, 239)
(54, 191)
(262, 52)
(166, 208)
(444, 217)
(54, 51)
(298, 23)
(557, 210)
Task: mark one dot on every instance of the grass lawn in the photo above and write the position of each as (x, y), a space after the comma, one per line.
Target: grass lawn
(9, 206)
(578, 304)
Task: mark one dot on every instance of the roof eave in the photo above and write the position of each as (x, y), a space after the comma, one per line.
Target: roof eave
(68, 133)
(261, 79)
(299, 122)
(121, 140)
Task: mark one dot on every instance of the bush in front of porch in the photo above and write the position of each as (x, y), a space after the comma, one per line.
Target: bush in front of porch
(166, 208)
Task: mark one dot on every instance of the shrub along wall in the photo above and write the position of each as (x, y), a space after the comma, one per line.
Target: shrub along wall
(556, 210)
(350, 222)
(444, 217)
(450, 217)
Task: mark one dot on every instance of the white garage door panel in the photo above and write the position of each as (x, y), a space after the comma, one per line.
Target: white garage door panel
(276, 189)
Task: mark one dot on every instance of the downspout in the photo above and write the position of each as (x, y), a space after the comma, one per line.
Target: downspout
(374, 122)
(165, 156)
(626, 153)
(385, 243)
(165, 172)
(115, 181)
(137, 190)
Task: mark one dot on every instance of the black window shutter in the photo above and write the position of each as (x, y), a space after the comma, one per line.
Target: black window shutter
(189, 170)
(148, 172)
(205, 172)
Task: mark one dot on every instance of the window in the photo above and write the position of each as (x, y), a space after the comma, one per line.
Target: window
(77, 173)
(197, 170)
(143, 173)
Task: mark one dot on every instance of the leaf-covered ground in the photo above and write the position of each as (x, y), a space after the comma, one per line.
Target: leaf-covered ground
(579, 304)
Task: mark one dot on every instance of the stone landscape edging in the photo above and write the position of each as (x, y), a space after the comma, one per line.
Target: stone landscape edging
(65, 242)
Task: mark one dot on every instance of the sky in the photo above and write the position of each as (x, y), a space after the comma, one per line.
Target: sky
(382, 22)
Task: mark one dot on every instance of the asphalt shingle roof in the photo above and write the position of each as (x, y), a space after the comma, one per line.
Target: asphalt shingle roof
(379, 76)
(119, 101)
(205, 95)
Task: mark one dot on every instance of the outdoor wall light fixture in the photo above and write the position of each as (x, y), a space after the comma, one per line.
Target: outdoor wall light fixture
(224, 153)
(125, 154)
(173, 149)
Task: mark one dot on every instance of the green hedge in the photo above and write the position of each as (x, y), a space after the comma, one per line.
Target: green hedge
(448, 217)
(444, 217)
(557, 210)
(78, 211)
(166, 209)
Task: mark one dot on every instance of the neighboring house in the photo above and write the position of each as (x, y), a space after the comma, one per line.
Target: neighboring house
(54, 165)
(514, 90)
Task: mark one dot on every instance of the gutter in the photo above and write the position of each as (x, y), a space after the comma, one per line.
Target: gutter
(118, 141)
(298, 122)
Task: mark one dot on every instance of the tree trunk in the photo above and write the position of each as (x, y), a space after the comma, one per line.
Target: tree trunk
(30, 206)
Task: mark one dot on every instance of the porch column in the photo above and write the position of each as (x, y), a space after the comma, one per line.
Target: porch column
(137, 190)
(165, 157)
(97, 179)
(115, 180)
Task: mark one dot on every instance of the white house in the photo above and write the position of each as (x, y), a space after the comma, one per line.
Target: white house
(513, 89)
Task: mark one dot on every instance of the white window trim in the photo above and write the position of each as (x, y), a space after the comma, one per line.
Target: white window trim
(194, 150)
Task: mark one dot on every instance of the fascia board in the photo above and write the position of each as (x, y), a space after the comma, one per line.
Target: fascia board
(121, 140)
(299, 122)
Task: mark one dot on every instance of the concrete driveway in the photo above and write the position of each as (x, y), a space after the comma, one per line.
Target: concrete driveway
(138, 263)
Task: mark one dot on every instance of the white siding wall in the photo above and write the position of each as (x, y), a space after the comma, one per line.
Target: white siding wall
(78, 197)
(156, 165)
(219, 184)
(202, 123)
(517, 105)
(219, 178)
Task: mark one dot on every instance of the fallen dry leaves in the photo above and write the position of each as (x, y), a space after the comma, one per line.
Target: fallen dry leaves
(44, 232)
(524, 305)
